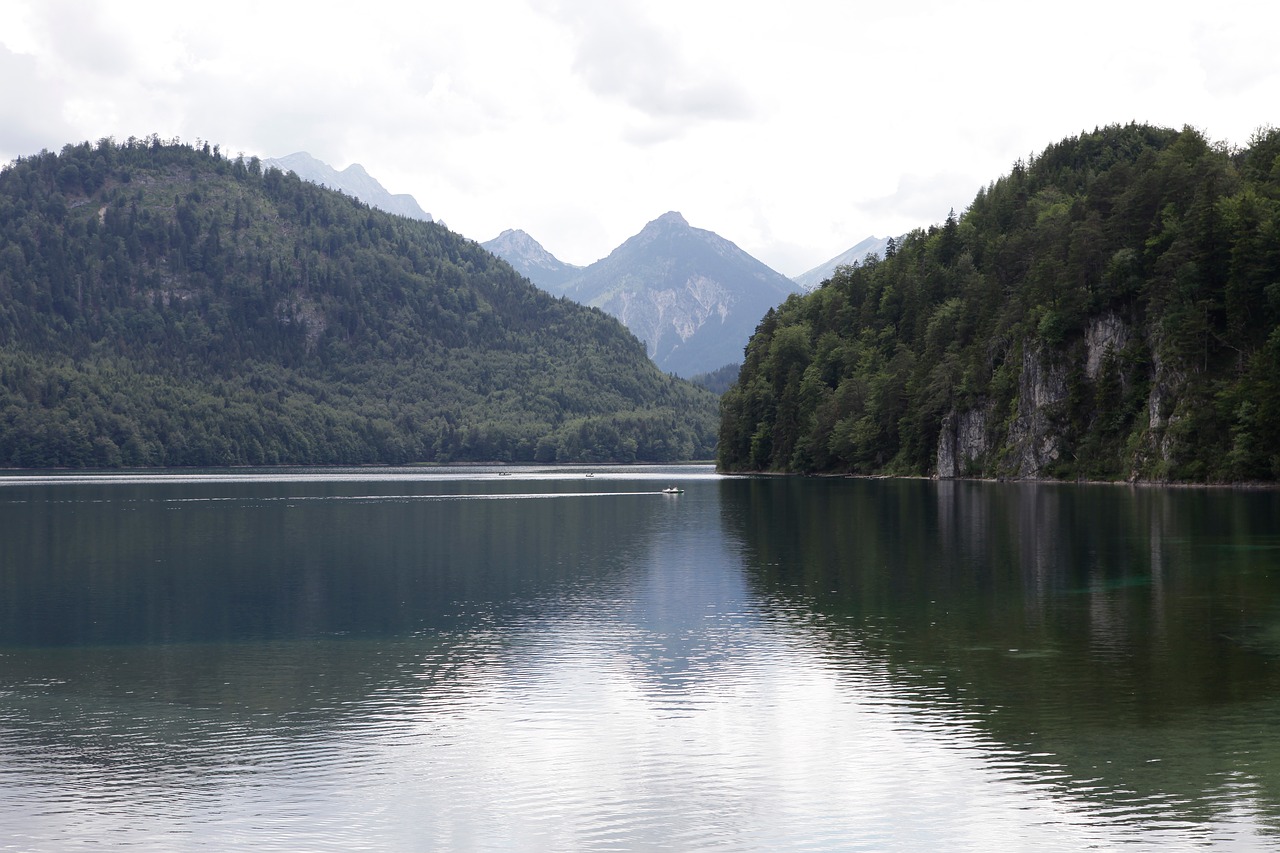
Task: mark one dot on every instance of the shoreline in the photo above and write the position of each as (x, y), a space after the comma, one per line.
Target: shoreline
(1251, 485)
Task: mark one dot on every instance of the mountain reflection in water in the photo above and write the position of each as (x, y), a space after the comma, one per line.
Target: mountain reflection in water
(445, 660)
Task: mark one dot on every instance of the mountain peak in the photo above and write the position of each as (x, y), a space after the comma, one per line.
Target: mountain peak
(692, 296)
(516, 236)
(531, 260)
(671, 217)
(515, 242)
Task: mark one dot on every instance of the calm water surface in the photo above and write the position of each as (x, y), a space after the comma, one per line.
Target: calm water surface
(537, 659)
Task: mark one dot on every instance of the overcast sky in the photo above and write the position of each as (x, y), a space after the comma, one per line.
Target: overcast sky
(793, 129)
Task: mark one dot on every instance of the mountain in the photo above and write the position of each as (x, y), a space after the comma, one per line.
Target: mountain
(162, 305)
(690, 295)
(1109, 310)
(353, 180)
(816, 276)
(532, 261)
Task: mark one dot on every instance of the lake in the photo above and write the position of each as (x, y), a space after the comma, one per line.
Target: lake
(568, 659)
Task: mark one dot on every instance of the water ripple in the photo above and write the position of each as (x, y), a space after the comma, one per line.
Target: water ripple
(649, 700)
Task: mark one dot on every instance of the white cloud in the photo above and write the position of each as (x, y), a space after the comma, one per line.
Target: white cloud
(31, 110)
(622, 54)
(921, 200)
(794, 131)
(78, 38)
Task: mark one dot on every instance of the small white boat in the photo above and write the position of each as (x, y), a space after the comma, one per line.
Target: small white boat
(672, 490)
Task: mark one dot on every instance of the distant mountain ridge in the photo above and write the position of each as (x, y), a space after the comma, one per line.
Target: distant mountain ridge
(532, 261)
(353, 180)
(691, 296)
(816, 276)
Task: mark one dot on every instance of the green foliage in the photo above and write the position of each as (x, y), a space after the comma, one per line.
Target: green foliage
(1175, 238)
(719, 380)
(161, 304)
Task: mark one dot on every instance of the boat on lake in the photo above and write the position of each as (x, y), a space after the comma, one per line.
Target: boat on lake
(672, 490)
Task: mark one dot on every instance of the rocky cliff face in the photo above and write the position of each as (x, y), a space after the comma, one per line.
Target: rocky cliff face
(973, 441)
(1104, 335)
(1034, 440)
(962, 443)
(656, 315)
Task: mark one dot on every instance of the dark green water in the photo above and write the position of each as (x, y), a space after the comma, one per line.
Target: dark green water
(408, 660)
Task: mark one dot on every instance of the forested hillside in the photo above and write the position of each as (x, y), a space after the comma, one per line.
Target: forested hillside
(1107, 310)
(162, 304)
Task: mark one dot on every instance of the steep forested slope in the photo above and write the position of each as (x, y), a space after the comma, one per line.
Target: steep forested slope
(161, 304)
(1107, 310)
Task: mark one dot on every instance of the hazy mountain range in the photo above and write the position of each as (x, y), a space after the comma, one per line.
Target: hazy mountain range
(532, 261)
(691, 296)
(816, 276)
(353, 180)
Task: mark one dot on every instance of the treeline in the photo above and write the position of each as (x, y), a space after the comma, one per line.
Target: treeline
(1106, 310)
(164, 304)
